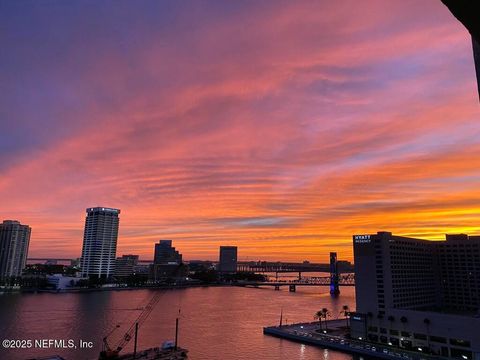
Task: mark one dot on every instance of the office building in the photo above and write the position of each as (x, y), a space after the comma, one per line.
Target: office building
(100, 242)
(417, 294)
(62, 282)
(165, 253)
(167, 263)
(228, 259)
(14, 242)
(125, 265)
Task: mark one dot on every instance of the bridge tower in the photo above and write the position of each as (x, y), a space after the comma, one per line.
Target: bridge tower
(334, 288)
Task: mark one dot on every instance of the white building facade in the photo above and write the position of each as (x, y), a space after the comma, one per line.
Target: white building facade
(100, 242)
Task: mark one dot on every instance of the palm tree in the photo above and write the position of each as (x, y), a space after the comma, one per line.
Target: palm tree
(318, 316)
(403, 320)
(391, 319)
(346, 312)
(325, 312)
(426, 321)
(380, 319)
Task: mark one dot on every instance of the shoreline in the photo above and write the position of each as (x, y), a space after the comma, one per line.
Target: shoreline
(303, 333)
(120, 288)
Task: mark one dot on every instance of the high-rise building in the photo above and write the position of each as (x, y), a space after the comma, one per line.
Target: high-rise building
(417, 294)
(459, 273)
(14, 242)
(228, 259)
(125, 265)
(100, 242)
(165, 253)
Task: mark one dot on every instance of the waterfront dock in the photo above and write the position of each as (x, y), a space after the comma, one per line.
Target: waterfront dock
(309, 333)
(148, 354)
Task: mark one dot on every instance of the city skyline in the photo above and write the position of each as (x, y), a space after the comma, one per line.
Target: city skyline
(280, 128)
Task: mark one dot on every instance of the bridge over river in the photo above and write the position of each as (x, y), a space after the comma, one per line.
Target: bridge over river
(343, 280)
(341, 274)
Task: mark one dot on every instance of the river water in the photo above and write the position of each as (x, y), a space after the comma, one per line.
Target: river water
(215, 322)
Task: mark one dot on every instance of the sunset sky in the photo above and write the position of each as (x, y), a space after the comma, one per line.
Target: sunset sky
(282, 127)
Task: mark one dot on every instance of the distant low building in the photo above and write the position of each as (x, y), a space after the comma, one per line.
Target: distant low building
(14, 243)
(162, 272)
(44, 269)
(125, 265)
(344, 266)
(142, 269)
(61, 282)
(200, 265)
(75, 262)
(228, 259)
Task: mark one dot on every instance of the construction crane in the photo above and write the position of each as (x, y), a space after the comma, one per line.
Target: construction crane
(110, 352)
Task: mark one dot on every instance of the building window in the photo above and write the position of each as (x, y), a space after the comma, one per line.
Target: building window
(394, 341)
(438, 339)
(458, 342)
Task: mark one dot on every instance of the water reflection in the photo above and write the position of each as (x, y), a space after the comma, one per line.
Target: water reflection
(215, 323)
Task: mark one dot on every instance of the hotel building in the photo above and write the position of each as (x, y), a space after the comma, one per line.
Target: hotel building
(417, 294)
(100, 242)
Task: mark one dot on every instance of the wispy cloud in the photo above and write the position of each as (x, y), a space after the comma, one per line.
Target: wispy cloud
(282, 127)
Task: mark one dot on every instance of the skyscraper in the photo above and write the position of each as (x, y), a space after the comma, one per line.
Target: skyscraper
(228, 259)
(100, 242)
(14, 241)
